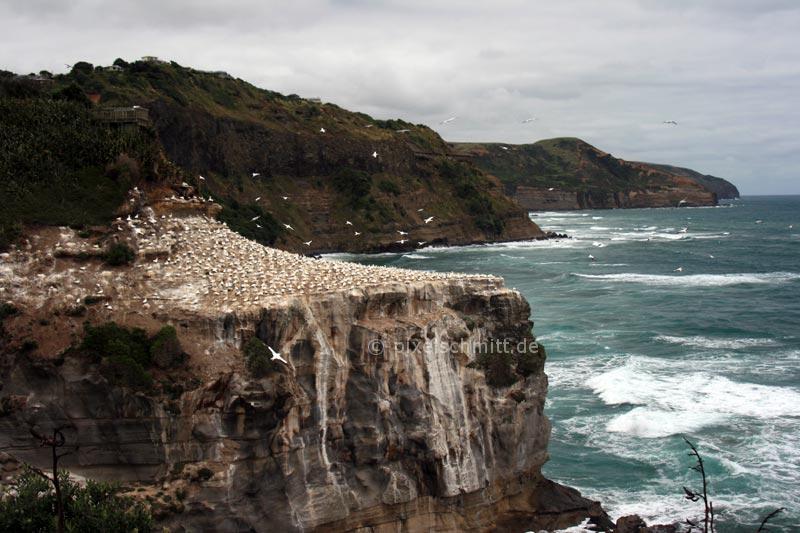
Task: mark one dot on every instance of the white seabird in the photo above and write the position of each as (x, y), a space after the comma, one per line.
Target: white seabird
(448, 120)
(402, 232)
(277, 355)
(428, 219)
(289, 227)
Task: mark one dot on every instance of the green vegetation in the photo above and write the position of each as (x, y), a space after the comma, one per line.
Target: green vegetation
(68, 169)
(354, 184)
(118, 254)
(165, 348)
(239, 217)
(28, 507)
(389, 187)
(566, 163)
(470, 187)
(125, 355)
(59, 166)
(258, 359)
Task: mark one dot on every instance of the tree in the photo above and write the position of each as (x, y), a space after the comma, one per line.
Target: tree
(42, 502)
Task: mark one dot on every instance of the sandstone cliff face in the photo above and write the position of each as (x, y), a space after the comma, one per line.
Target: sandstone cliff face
(537, 199)
(377, 421)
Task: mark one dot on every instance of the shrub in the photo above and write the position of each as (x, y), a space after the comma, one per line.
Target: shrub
(110, 339)
(354, 184)
(389, 187)
(118, 254)
(258, 358)
(95, 507)
(165, 348)
(124, 370)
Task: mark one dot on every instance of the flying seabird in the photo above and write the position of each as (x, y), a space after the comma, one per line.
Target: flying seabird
(374, 154)
(287, 226)
(529, 119)
(428, 219)
(322, 130)
(356, 233)
(670, 122)
(504, 147)
(308, 243)
(402, 241)
(591, 257)
(684, 230)
(420, 243)
(257, 198)
(285, 197)
(347, 222)
(448, 120)
(255, 218)
(679, 269)
(202, 178)
(402, 232)
(277, 355)
(420, 210)
(551, 188)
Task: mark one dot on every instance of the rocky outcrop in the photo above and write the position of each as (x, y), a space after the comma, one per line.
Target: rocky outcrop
(381, 419)
(566, 173)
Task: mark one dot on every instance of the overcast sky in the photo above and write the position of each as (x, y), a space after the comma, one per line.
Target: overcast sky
(609, 71)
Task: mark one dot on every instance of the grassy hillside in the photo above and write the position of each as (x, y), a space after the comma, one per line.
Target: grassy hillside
(567, 163)
(722, 187)
(254, 147)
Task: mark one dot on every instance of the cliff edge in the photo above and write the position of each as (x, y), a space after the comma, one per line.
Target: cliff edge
(568, 173)
(391, 411)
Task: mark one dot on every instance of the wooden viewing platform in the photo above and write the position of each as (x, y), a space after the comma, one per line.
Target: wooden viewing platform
(138, 116)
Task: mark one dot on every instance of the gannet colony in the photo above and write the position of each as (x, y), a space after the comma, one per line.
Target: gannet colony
(184, 260)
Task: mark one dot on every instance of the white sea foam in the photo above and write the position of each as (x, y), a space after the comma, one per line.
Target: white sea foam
(670, 402)
(716, 343)
(696, 280)
(416, 256)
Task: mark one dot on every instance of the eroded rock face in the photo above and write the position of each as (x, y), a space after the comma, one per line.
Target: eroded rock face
(377, 422)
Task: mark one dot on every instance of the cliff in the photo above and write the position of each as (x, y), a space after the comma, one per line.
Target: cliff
(568, 173)
(342, 180)
(724, 189)
(388, 414)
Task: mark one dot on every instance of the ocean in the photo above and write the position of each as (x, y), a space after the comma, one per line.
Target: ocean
(686, 323)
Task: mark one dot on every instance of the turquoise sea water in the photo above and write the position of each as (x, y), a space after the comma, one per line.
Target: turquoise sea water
(641, 354)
